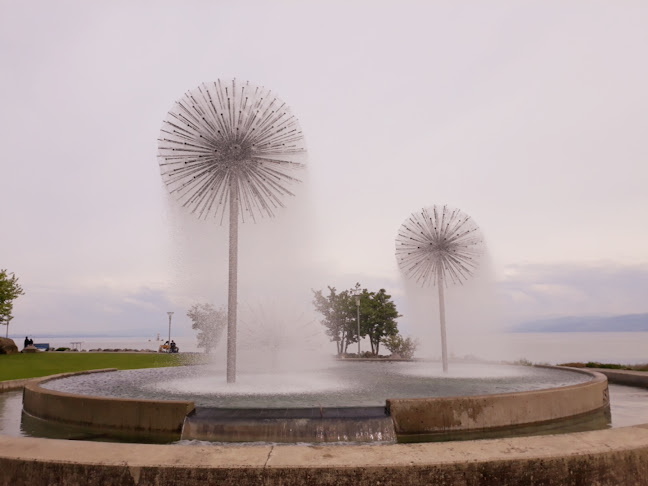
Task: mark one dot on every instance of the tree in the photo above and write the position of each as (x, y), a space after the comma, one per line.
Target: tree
(210, 322)
(403, 347)
(378, 316)
(339, 312)
(10, 290)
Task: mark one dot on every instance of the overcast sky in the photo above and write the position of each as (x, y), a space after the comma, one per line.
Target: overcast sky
(529, 116)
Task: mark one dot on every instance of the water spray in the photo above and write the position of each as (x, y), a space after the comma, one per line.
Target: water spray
(435, 245)
(230, 148)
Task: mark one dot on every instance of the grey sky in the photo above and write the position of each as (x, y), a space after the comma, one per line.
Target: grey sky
(529, 116)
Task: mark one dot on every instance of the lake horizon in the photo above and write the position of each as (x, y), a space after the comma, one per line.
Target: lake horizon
(538, 348)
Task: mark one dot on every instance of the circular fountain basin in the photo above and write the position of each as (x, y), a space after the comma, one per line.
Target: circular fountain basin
(346, 401)
(341, 384)
(606, 457)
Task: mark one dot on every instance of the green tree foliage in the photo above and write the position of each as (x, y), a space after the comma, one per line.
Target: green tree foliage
(339, 314)
(378, 316)
(210, 322)
(400, 346)
(10, 290)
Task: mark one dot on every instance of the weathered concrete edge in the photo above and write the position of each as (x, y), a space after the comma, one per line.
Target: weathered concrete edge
(624, 377)
(609, 457)
(479, 412)
(9, 385)
(120, 413)
(410, 416)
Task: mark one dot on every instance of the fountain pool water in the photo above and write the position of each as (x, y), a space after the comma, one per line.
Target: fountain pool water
(340, 384)
(346, 401)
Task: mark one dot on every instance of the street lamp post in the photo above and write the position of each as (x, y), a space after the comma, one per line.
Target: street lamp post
(357, 299)
(170, 314)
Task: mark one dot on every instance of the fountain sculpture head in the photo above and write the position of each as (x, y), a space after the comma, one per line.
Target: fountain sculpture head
(435, 244)
(230, 136)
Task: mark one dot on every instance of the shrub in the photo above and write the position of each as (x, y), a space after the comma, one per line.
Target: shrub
(402, 347)
(573, 365)
(523, 362)
(609, 366)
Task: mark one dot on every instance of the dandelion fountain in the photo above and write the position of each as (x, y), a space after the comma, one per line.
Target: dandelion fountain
(232, 149)
(436, 245)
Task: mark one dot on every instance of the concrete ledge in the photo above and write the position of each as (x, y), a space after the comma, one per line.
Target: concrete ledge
(411, 417)
(313, 425)
(14, 384)
(611, 457)
(119, 413)
(625, 377)
(9, 385)
(469, 413)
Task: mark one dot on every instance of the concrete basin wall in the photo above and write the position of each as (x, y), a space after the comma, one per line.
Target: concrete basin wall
(103, 412)
(615, 457)
(10, 385)
(413, 416)
(626, 377)
(611, 457)
(417, 416)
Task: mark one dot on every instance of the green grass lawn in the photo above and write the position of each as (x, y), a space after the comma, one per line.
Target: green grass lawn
(17, 366)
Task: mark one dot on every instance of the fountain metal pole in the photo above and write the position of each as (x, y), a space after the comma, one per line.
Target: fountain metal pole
(232, 290)
(444, 344)
(357, 297)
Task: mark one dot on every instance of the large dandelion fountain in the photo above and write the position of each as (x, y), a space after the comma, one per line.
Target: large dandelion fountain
(342, 401)
(437, 244)
(230, 148)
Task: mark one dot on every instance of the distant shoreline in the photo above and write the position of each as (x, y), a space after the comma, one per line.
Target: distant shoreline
(618, 323)
(565, 331)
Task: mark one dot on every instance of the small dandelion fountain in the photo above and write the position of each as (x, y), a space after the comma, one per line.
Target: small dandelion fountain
(437, 244)
(229, 147)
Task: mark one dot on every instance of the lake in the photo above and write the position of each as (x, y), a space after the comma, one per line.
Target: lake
(551, 348)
